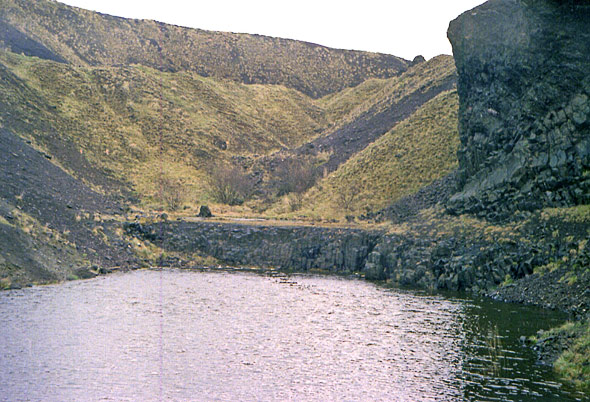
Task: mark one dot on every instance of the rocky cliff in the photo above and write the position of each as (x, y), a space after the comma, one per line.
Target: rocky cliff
(524, 89)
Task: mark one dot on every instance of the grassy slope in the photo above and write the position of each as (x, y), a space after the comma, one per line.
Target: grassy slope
(413, 154)
(87, 38)
(113, 116)
(376, 110)
(377, 95)
(341, 104)
(361, 115)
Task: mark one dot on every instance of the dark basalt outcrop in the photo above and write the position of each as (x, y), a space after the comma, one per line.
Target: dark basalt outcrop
(296, 248)
(524, 88)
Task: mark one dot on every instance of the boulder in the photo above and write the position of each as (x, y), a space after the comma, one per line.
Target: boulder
(205, 212)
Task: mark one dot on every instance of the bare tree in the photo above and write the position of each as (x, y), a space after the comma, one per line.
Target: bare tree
(295, 176)
(230, 185)
(172, 193)
(346, 197)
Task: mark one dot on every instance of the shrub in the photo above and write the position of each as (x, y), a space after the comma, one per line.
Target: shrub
(295, 176)
(171, 193)
(230, 185)
(346, 197)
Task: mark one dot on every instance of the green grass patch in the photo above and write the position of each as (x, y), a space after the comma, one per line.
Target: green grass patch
(570, 278)
(508, 280)
(576, 214)
(574, 364)
(552, 266)
(5, 283)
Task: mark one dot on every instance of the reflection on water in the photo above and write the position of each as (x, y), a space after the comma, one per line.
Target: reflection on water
(191, 336)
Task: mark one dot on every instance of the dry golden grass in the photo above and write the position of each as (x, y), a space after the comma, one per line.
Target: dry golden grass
(139, 125)
(413, 154)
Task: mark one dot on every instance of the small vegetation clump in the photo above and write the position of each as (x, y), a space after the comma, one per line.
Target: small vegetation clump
(574, 364)
(230, 185)
(172, 193)
(5, 283)
(575, 214)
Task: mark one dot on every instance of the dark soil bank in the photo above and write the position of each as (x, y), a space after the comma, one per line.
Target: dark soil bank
(51, 224)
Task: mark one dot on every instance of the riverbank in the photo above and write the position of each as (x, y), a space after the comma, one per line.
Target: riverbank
(538, 258)
(434, 250)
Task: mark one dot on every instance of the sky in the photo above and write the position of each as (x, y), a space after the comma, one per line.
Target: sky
(402, 28)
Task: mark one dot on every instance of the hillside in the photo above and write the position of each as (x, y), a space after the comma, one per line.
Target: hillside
(361, 115)
(104, 124)
(51, 225)
(95, 96)
(399, 98)
(54, 31)
(413, 154)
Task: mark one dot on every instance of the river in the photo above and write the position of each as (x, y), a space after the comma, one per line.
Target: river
(174, 335)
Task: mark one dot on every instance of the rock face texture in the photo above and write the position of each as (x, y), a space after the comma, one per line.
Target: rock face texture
(524, 88)
(342, 251)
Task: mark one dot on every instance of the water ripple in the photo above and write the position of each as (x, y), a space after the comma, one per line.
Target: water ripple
(193, 336)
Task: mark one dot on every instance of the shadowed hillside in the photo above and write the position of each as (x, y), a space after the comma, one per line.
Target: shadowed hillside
(51, 225)
(58, 32)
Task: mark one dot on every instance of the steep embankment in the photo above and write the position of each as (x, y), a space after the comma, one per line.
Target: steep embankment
(54, 31)
(398, 100)
(292, 248)
(51, 225)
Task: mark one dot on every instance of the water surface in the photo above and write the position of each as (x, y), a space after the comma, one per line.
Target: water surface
(192, 336)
